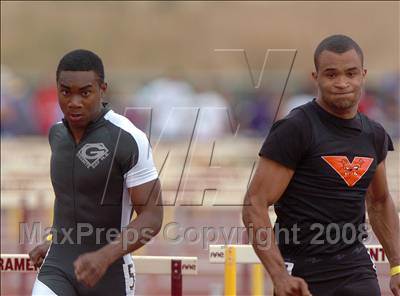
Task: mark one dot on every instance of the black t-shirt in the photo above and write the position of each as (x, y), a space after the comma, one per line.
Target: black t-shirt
(290, 137)
(334, 161)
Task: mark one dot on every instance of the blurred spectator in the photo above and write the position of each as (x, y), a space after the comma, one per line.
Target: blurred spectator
(45, 106)
(163, 94)
(255, 111)
(16, 118)
(25, 113)
(390, 84)
(215, 116)
(367, 102)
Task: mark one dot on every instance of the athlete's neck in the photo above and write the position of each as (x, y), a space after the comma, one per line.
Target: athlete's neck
(341, 113)
(77, 134)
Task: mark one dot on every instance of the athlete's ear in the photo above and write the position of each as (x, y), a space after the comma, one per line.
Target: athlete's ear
(364, 72)
(103, 88)
(314, 75)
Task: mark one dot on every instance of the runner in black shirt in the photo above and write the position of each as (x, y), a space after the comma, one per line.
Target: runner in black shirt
(318, 166)
(101, 170)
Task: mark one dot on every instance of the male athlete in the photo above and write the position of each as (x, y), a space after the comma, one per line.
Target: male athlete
(101, 170)
(318, 166)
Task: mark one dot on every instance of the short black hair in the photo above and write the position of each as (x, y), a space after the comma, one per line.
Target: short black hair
(337, 44)
(81, 60)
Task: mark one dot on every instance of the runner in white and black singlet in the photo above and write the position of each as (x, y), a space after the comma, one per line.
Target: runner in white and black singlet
(101, 170)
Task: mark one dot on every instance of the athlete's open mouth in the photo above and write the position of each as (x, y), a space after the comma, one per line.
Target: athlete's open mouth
(75, 117)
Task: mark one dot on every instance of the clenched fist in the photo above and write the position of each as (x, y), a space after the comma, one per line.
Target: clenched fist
(38, 253)
(291, 286)
(395, 284)
(90, 267)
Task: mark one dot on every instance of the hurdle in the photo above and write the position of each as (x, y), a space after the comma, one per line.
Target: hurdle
(175, 266)
(231, 255)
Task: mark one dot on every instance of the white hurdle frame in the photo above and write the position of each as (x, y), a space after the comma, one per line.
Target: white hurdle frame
(175, 266)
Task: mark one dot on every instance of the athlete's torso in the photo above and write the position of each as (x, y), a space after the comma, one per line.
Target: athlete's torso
(92, 201)
(326, 196)
(320, 216)
(91, 179)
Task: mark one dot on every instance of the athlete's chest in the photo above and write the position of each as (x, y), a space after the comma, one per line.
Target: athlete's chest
(86, 163)
(341, 162)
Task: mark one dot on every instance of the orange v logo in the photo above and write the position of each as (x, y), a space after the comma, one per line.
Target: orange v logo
(352, 172)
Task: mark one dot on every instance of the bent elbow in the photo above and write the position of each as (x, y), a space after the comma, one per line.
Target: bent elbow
(246, 215)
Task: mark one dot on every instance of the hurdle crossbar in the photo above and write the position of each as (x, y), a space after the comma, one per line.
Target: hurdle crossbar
(176, 266)
(245, 254)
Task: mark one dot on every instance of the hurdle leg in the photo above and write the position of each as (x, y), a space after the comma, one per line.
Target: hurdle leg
(176, 278)
(257, 280)
(230, 271)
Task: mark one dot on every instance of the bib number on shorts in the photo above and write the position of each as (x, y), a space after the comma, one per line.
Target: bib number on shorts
(289, 267)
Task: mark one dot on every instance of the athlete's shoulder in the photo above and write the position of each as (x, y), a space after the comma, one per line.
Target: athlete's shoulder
(375, 125)
(377, 129)
(134, 151)
(126, 125)
(297, 117)
(55, 129)
(57, 126)
(299, 113)
(289, 139)
(296, 124)
(382, 139)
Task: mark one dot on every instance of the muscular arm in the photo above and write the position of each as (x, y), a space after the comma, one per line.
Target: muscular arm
(90, 267)
(267, 186)
(382, 215)
(145, 199)
(269, 182)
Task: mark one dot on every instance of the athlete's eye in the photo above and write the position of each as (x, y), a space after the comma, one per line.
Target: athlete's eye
(351, 74)
(64, 92)
(86, 93)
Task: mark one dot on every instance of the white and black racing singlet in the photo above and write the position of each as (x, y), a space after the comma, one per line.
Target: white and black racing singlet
(91, 179)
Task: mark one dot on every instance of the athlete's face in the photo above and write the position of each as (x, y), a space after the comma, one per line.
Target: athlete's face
(79, 95)
(340, 79)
